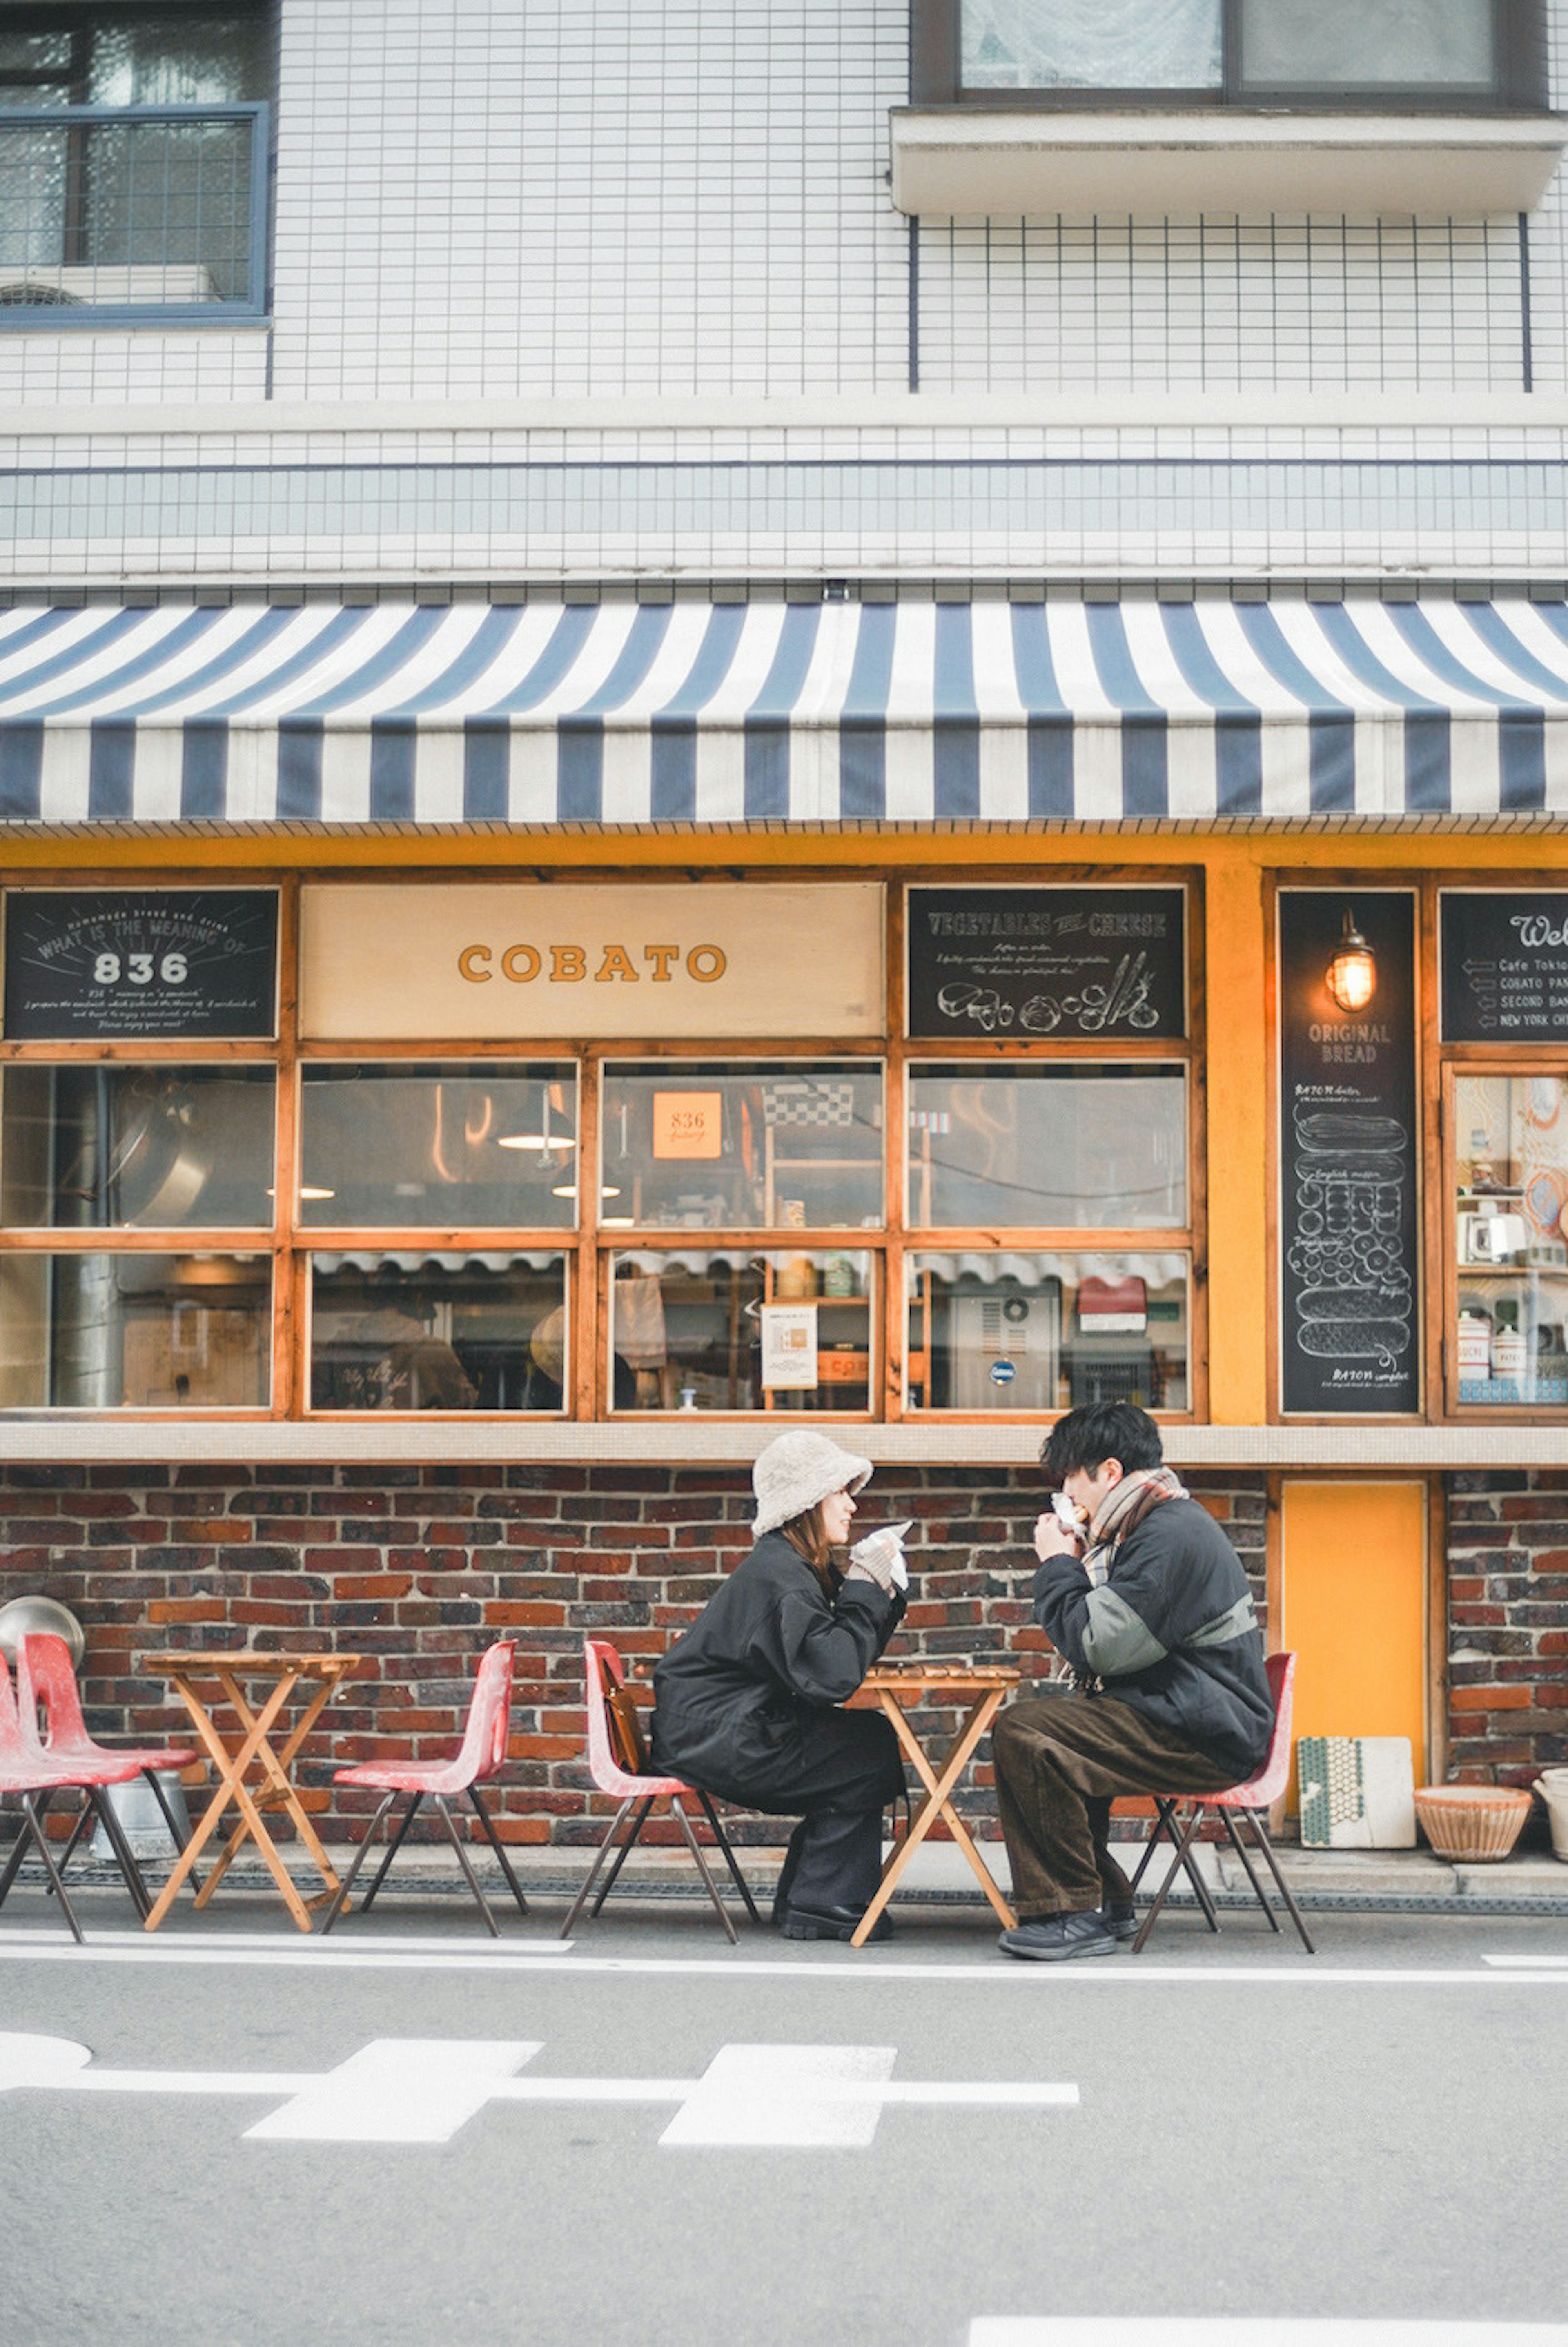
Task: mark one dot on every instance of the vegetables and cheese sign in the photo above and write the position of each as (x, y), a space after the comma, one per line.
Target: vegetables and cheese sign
(555, 962)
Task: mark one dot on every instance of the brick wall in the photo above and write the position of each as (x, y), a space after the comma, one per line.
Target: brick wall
(1508, 1625)
(419, 1568)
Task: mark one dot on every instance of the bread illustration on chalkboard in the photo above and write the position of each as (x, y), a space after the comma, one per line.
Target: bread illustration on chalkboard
(1355, 1303)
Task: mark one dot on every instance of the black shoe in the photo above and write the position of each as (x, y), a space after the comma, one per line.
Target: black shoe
(1121, 1923)
(831, 1923)
(1056, 1938)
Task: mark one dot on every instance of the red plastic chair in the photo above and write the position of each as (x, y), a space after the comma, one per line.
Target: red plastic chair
(618, 1763)
(1249, 1803)
(481, 1755)
(26, 1768)
(47, 1686)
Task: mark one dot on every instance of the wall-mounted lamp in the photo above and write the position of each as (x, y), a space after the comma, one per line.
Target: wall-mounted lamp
(1352, 976)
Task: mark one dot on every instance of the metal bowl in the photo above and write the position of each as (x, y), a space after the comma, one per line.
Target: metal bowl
(24, 1615)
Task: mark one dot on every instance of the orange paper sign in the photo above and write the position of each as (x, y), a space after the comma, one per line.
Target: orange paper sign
(688, 1124)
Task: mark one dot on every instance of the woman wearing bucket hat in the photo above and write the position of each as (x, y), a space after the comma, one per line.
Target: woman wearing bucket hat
(746, 1704)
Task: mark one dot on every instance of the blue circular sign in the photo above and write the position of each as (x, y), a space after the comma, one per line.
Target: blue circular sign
(1002, 1373)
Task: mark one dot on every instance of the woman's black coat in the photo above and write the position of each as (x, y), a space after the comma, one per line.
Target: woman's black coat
(734, 1700)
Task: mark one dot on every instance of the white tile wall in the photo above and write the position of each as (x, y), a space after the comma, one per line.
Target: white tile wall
(146, 367)
(477, 198)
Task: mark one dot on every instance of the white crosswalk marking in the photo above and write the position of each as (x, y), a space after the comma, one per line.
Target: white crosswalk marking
(1254, 2330)
(782, 2096)
(398, 2090)
(423, 2090)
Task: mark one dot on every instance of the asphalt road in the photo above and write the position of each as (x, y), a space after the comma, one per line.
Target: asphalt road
(1217, 2130)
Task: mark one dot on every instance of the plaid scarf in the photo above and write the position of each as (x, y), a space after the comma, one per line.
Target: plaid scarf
(1123, 1508)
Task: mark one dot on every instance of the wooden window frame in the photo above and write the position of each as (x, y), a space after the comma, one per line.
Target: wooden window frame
(588, 1247)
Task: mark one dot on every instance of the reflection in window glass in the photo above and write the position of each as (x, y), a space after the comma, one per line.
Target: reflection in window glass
(1077, 1147)
(712, 1330)
(438, 1332)
(1512, 1150)
(135, 1332)
(1044, 1333)
(1092, 44)
(93, 1148)
(488, 1144)
(1345, 45)
(789, 1144)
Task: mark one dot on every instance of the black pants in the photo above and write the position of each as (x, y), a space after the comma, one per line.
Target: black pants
(846, 1774)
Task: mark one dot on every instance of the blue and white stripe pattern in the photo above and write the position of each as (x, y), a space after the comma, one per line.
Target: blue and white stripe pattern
(694, 713)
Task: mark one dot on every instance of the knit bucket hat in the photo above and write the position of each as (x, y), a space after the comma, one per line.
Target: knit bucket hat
(796, 1473)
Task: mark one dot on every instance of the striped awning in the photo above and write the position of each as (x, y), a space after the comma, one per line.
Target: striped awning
(695, 714)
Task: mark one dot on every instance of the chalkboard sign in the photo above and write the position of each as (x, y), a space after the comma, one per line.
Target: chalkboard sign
(1505, 966)
(1350, 1157)
(1033, 962)
(134, 964)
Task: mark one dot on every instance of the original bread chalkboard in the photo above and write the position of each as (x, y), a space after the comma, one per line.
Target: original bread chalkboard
(1349, 1135)
(136, 963)
(1033, 962)
(1504, 954)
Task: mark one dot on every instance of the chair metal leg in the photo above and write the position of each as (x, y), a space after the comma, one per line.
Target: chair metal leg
(599, 1856)
(84, 1820)
(1241, 1851)
(391, 1850)
(455, 1838)
(1254, 1818)
(695, 1847)
(1167, 1824)
(495, 1841)
(125, 1857)
(175, 1836)
(723, 1838)
(1177, 1863)
(19, 1849)
(644, 1811)
(346, 1885)
(36, 1823)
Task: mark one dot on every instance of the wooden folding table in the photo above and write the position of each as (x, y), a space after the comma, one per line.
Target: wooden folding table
(252, 1751)
(898, 1687)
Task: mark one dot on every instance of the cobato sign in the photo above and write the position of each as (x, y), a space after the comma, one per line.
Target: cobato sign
(493, 962)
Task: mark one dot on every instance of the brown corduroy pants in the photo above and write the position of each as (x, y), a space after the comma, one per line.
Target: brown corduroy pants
(1061, 1762)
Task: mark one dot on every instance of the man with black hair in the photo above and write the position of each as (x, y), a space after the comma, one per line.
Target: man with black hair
(1148, 1603)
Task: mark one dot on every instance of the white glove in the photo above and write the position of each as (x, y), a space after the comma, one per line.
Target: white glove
(879, 1557)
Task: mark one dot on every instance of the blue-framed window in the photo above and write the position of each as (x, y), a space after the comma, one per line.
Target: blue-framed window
(133, 164)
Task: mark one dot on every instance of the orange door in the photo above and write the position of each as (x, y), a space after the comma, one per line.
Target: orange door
(1353, 1605)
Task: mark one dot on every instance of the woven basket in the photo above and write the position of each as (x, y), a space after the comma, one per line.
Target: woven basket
(1480, 1823)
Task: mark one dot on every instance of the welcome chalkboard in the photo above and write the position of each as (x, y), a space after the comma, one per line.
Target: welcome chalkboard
(1504, 955)
(1032, 962)
(134, 964)
(1349, 1135)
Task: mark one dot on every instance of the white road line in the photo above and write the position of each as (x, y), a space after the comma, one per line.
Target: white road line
(1254, 2330)
(1532, 1963)
(513, 1956)
(773, 2098)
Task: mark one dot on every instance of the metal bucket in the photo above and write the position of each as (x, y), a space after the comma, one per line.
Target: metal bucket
(140, 1819)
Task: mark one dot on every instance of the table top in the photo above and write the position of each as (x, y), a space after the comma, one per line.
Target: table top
(246, 1661)
(911, 1678)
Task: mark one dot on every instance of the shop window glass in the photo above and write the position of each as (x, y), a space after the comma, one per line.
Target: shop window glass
(486, 1144)
(1512, 1151)
(1090, 45)
(706, 1330)
(153, 1148)
(789, 1144)
(152, 1332)
(444, 1332)
(1027, 1333)
(1077, 1148)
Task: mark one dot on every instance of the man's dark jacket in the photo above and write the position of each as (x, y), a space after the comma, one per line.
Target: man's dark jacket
(1173, 1632)
(769, 1650)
